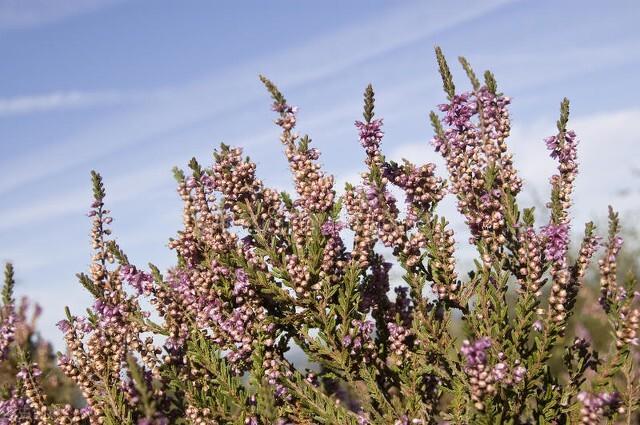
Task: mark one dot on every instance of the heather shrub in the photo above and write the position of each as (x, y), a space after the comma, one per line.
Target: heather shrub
(260, 274)
(20, 344)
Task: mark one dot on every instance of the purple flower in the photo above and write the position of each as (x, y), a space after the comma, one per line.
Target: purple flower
(24, 372)
(600, 405)
(109, 314)
(557, 241)
(346, 340)
(37, 310)
(563, 152)
(370, 136)
(35, 370)
(64, 326)
(476, 353)
(63, 360)
(241, 285)
(519, 374)
(403, 420)
(374, 198)
(7, 329)
(499, 371)
(11, 408)
(332, 228)
(358, 340)
(139, 280)
(363, 418)
(458, 113)
(375, 292)
(283, 108)
(281, 392)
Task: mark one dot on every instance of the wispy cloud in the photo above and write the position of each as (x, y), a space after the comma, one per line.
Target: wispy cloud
(16, 14)
(121, 188)
(62, 100)
(525, 141)
(183, 105)
(129, 185)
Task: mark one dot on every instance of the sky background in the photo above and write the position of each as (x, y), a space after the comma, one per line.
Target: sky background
(132, 88)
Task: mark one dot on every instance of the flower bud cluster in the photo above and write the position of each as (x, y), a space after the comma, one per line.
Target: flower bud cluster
(566, 280)
(496, 123)
(359, 342)
(628, 332)
(334, 258)
(441, 245)
(556, 242)
(484, 379)
(77, 366)
(314, 188)
(274, 370)
(234, 326)
(208, 224)
(8, 319)
(422, 191)
(98, 347)
(186, 245)
(36, 399)
(375, 290)
(530, 266)
(384, 212)
(68, 415)
(479, 165)
(596, 407)
(362, 223)
(608, 266)
(141, 281)
(556, 237)
(312, 185)
(480, 377)
(234, 177)
(563, 148)
(99, 219)
(14, 410)
(422, 188)
(200, 416)
(398, 336)
(300, 277)
(287, 113)
(588, 248)
(370, 138)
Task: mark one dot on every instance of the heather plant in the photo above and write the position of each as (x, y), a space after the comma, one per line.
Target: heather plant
(21, 344)
(260, 274)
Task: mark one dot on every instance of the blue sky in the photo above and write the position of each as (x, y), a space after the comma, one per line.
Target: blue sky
(131, 88)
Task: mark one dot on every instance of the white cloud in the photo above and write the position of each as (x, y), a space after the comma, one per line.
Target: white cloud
(16, 14)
